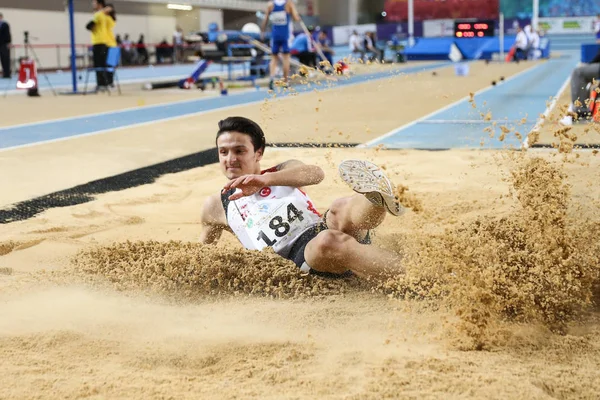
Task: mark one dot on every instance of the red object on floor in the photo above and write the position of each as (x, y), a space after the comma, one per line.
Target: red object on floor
(511, 54)
(27, 75)
(595, 105)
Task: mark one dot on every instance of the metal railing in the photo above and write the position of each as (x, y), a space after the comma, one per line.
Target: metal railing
(58, 56)
(243, 5)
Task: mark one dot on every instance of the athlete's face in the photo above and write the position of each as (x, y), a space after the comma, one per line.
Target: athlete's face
(237, 156)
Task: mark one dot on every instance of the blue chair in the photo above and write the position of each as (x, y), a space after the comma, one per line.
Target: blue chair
(112, 62)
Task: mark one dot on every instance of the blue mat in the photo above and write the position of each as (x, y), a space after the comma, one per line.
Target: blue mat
(588, 52)
(430, 49)
(472, 48)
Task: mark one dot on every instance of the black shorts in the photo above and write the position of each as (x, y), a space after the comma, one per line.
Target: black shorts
(296, 253)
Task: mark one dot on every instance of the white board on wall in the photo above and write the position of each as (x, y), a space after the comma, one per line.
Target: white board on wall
(438, 28)
(208, 16)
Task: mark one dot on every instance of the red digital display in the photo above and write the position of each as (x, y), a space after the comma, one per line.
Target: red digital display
(471, 29)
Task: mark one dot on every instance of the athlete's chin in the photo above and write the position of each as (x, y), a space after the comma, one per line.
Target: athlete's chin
(233, 173)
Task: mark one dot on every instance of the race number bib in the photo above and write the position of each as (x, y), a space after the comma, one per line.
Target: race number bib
(279, 18)
(279, 222)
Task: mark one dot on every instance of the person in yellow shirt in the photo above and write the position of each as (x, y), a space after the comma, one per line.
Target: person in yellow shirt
(111, 21)
(99, 28)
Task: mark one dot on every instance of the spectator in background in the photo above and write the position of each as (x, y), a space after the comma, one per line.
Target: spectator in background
(521, 45)
(302, 49)
(178, 44)
(534, 50)
(119, 40)
(356, 46)
(142, 51)
(5, 41)
(99, 28)
(163, 51)
(110, 35)
(325, 44)
(581, 77)
(127, 50)
(597, 28)
(371, 46)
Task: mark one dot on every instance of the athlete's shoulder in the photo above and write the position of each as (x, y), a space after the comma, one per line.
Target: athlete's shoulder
(213, 213)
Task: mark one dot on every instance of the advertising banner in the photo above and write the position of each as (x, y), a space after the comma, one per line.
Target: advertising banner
(567, 25)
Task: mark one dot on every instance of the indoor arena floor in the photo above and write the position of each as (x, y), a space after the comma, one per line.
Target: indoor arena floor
(98, 188)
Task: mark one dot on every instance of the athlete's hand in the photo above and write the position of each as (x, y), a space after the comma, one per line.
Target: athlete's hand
(248, 184)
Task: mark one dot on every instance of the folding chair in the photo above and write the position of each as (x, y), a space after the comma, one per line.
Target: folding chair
(112, 62)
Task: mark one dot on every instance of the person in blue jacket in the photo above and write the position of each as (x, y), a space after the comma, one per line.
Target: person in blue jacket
(302, 49)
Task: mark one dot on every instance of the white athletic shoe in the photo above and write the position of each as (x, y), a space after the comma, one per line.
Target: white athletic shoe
(369, 180)
(567, 120)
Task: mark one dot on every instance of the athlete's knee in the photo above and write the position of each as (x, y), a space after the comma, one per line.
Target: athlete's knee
(328, 246)
(335, 214)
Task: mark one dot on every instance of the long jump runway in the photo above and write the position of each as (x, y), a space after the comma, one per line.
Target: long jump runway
(515, 103)
(27, 134)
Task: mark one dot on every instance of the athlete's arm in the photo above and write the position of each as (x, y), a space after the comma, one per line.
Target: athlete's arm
(292, 173)
(296, 174)
(291, 9)
(213, 220)
(266, 20)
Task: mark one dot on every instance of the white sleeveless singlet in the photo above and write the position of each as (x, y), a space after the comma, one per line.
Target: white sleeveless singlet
(274, 217)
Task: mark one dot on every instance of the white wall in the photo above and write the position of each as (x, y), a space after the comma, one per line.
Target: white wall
(52, 27)
(189, 21)
(208, 16)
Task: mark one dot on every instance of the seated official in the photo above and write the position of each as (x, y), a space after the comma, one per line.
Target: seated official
(303, 50)
(581, 79)
(325, 44)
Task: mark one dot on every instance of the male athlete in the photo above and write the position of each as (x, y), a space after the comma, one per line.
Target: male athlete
(268, 208)
(280, 12)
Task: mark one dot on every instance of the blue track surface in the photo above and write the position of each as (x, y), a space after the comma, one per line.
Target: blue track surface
(90, 124)
(461, 125)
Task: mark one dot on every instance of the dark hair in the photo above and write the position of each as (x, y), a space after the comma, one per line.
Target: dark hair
(101, 2)
(245, 126)
(113, 12)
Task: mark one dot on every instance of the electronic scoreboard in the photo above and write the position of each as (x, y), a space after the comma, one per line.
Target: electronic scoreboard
(474, 28)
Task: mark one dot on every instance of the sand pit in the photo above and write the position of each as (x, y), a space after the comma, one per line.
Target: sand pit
(130, 307)
(115, 298)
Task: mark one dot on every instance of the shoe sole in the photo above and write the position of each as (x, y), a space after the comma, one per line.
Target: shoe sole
(369, 180)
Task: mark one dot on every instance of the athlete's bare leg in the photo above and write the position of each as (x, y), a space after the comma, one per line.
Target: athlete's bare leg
(286, 67)
(337, 249)
(273, 69)
(337, 252)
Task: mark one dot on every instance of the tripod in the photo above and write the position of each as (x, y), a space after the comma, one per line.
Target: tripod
(28, 48)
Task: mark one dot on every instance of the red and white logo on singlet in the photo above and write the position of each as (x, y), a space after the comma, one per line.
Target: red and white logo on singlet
(265, 192)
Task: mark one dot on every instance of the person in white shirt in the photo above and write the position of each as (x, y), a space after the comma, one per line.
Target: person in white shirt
(534, 50)
(597, 28)
(356, 45)
(178, 44)
(521, 45)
